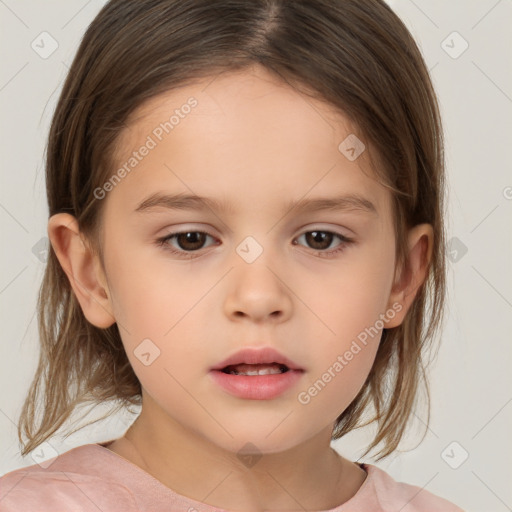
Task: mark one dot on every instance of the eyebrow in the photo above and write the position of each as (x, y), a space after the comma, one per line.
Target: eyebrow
(347, 202)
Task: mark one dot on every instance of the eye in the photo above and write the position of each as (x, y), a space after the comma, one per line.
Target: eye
(320, 240)
(187, 241)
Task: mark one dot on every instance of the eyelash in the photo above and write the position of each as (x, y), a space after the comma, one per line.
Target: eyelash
(163, 243)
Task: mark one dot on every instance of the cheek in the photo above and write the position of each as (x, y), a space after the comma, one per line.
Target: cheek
(161, 317)
(330, 391)
(343, 360)
(349, 305)
(348, 297)
(151, 294)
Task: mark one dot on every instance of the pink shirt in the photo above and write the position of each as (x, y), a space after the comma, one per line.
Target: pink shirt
(91, 478)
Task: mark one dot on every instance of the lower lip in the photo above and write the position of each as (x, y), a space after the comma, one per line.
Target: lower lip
(256, 387)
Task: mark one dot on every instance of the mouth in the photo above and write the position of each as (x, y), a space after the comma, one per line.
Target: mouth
(255, 369)
(256, 381)
(261, 361)
(257, 374)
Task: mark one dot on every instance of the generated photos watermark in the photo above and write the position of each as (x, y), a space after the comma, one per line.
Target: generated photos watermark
(304, 397)
(152, 141)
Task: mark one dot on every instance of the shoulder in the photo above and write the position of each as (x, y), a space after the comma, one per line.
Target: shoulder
(70, 481)
(392, 495)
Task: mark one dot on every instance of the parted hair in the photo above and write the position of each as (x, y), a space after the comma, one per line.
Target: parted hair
(356, 55)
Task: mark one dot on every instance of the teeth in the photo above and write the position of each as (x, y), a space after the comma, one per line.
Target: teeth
(268, 371)
(264, 370)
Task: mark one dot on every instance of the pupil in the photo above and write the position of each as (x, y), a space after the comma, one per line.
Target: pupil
(194, 239)
(319, 237)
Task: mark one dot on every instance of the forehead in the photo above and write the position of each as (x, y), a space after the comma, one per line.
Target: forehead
(249, 101)
(242, 129)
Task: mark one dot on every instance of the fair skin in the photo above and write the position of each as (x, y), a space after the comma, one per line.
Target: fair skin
(257, 144)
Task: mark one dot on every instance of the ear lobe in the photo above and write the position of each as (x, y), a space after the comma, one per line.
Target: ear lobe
(83, 269)
(414, 272)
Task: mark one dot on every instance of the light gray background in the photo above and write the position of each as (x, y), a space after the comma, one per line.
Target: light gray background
(470, 379)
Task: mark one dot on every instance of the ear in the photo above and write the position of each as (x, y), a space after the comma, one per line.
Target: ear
(413, 273)
(83, 269)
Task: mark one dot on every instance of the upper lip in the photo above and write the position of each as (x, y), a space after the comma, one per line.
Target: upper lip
(265, 355)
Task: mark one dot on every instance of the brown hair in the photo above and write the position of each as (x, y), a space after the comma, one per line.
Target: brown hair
(356, 55)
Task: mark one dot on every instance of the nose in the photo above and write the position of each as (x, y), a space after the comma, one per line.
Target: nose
(257, 292)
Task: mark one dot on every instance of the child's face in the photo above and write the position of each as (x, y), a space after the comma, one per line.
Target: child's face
(255, 145)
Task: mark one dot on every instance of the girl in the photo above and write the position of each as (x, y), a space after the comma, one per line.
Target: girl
(246, 227)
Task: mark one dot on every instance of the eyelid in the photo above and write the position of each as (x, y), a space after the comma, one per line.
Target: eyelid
(319, 226)
(187, 228)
